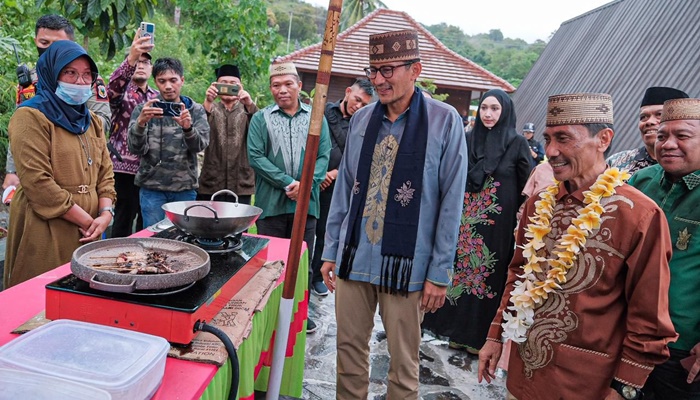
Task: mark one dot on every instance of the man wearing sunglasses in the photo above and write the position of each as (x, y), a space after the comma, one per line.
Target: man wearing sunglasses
(394, 218)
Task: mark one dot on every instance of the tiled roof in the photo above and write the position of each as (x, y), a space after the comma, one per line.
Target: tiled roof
(445, 67)
(620, 48)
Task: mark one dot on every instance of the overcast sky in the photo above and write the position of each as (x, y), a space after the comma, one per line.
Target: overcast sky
(524, 19)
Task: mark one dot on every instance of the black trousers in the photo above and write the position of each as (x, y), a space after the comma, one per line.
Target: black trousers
(281, 226)
(128, 206)
(668, 380)
(325, 205)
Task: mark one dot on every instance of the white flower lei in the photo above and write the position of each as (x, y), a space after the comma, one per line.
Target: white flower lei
(529, 293)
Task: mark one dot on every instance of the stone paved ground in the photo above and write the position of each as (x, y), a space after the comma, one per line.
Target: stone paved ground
(445, 374)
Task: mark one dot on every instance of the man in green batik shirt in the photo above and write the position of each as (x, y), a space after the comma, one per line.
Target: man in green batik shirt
(277, 138)
(674, 184)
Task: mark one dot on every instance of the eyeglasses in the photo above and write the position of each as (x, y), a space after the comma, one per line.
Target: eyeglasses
(387, 71)
(71, 76)
(144, 62)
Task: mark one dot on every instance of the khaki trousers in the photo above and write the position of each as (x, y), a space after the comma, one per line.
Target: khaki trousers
(355, 306)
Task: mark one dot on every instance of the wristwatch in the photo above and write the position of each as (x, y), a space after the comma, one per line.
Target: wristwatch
(103, 209)
(626, 391)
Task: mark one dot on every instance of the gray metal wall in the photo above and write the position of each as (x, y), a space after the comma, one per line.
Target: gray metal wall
(620, 48)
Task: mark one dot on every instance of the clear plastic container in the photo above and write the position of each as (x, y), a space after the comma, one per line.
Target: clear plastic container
(17, 384)
(128, 365)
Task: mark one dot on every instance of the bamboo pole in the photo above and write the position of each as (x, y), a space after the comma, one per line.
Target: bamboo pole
(307, 175)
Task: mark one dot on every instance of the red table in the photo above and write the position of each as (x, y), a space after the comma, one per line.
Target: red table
(183, 379)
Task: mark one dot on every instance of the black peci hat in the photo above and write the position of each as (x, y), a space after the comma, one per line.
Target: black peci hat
(227, 70)
(656, 96)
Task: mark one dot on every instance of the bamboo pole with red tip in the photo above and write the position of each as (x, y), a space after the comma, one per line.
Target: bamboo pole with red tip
(307, 176)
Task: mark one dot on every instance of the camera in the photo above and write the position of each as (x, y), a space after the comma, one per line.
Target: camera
(24, 76)
(227, 90)
(148, 29)
(169, 109)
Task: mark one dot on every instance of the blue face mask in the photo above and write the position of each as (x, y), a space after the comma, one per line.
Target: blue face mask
(73, 94)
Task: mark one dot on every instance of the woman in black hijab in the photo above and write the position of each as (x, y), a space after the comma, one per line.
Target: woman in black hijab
(499, 165)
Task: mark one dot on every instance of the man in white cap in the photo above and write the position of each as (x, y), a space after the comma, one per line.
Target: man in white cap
(276, 147)
(536, 149)
(674, 184)
(586, 300)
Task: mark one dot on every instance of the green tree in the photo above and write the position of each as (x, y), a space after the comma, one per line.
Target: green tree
(510, 59)
(242, 35)
(307, 21)
(107, 20)
(429, 86)
(355, 10)
(16, 27)
(496, 35)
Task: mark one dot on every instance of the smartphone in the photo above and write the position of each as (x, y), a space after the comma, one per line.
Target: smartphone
(227, 90)
(169, 109)
(148, 29)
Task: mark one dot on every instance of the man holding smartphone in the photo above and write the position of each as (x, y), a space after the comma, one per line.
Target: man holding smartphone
(128, 87)
(226, 163)
(168, 146)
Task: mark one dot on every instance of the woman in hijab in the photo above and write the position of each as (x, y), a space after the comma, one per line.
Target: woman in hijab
(499, 165)
(67, 189)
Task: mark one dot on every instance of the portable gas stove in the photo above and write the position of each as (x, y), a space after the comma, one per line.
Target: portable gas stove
(172, 313)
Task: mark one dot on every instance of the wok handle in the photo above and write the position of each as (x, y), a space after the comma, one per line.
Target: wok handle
(226, 191)
(216, 216)
(112, 287)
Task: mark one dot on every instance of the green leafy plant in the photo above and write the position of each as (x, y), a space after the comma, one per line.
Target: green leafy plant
(110, 21)
(429, 86)
(242, 35)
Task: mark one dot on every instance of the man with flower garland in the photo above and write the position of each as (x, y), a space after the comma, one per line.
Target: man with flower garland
(674, 184)
(587, 300)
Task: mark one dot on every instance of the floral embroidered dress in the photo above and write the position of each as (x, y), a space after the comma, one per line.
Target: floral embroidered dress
(486, 242)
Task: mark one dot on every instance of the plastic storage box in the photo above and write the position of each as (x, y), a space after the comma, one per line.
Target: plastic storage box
(17, 384)
(128, 365)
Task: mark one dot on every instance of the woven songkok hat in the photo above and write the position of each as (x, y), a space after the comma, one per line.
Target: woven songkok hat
(579, 109)
(283, 68)
(394, 46)
(681, 109)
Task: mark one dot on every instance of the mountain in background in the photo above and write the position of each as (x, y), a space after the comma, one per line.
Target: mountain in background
(510, 59)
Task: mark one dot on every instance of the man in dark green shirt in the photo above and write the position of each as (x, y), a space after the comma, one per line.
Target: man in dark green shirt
(674, 184)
